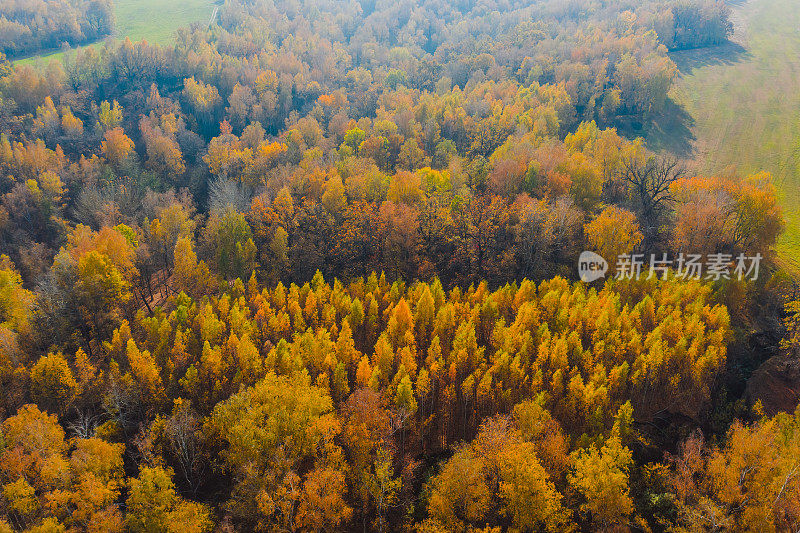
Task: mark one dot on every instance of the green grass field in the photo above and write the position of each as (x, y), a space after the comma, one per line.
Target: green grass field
(737, 106)
(153, 20)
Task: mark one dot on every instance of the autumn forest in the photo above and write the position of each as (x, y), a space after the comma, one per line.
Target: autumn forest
(314, 267)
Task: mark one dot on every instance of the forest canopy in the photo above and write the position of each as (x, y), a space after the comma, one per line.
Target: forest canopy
(28, 26)
(313, 268)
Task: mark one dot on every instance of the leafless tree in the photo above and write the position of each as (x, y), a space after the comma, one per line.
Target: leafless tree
(187, 444)
(84, 424)
(223, 193)
(649, 183)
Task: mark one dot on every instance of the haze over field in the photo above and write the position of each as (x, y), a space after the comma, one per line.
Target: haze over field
(739, 105)
(152, 20)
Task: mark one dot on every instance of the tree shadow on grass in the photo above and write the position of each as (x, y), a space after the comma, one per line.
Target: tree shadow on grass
(724, 54)
(671, 131)
(668, 131)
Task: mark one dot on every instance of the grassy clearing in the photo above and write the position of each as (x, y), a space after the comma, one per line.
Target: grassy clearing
(157, 20)
(737, 107)
(152, 20)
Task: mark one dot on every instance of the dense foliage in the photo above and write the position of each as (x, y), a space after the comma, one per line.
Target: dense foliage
(354, 384)
(28, 26)
(312, 269)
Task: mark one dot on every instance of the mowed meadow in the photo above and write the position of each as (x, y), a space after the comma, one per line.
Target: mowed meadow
(152, 20)
(736, 106)
(157, 20)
